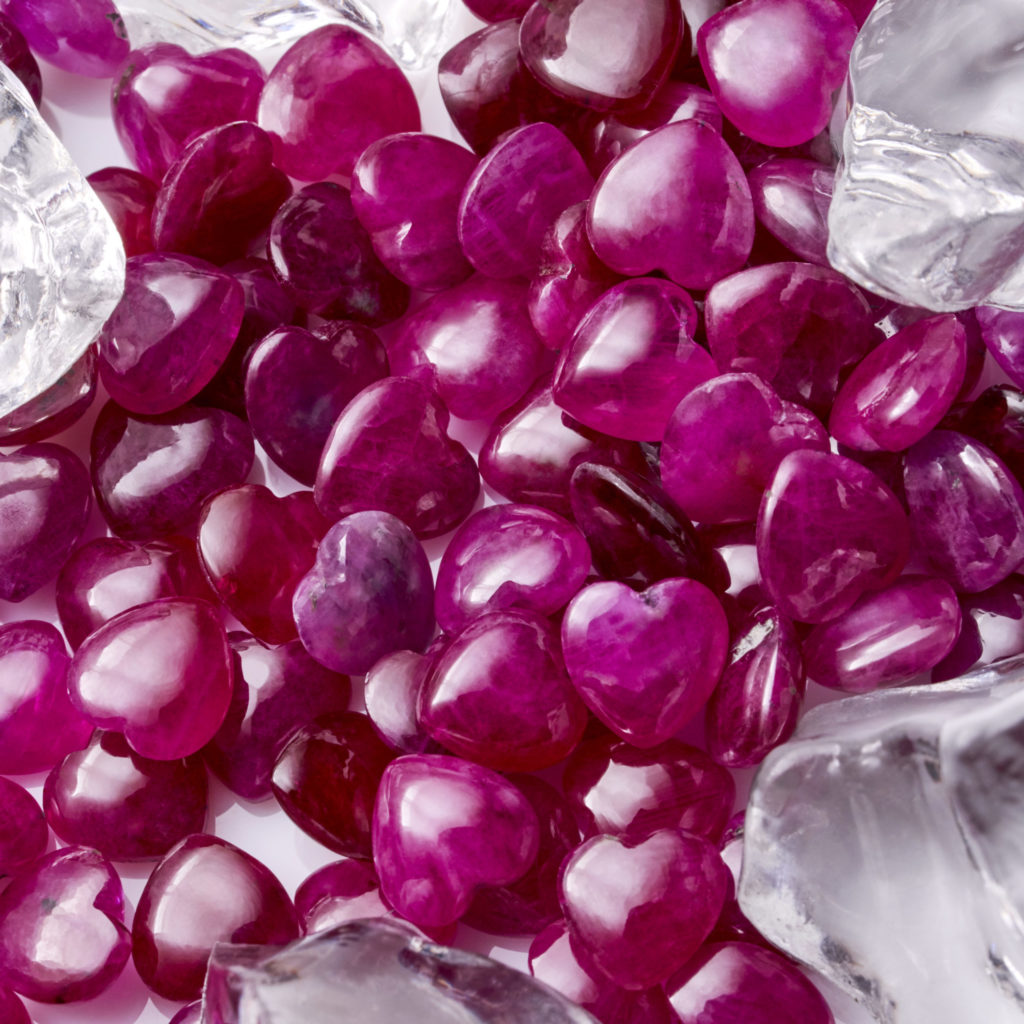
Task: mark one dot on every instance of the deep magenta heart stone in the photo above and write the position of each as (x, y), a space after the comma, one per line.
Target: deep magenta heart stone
(791, 199)
(391, 693)
(128, 197)
(12, 1008)
(23, 832)
(87, 37)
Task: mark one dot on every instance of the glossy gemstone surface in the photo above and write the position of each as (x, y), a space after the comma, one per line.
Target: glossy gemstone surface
(128, 197)
(391, 692)
(85, 37)
(791, 199)
(52, 411)
(23, 833)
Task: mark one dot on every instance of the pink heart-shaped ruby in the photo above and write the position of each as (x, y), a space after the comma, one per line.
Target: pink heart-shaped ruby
(645, 663)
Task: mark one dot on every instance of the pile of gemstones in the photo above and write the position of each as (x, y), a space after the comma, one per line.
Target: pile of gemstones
(711, 469)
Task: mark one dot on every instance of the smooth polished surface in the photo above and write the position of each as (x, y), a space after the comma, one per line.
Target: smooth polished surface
(23, 833)
(60, 406)
(85, 37)
(791, 198)
(128, 197)
(391, 692)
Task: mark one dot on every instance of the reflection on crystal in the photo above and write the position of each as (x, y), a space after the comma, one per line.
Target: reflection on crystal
(929, 203)
(61, 258)
(884, 848)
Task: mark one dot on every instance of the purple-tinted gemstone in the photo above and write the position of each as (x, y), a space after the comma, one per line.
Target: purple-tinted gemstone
(773, 65)
(203, 892)
(582, 50)
(52, 411)
(160, 673)
(126, 806)
(509, 556)
(996, 419)
(170, 332)
(828, 531)
(631, 359)
(640, 908)
(406, 190)
(344, 890)
(514, 196)
(992, 628)
(755, 706)
(23, 833)
(220, 194)
(615, 789)
(85, 37)
(326, 779)
(333, 93)
(498, 10)
(38, 723)
(15, 53)
(62, 933)
(166, 97)
(791, 200)
(190, 1014)
(1002, 330)
(152, 474)
(44, 506)
(391, 694)
(966, 510)
(722, 445)
(128, 197)
(441, 828)
(498, 694)
(12, 1009)
(390, 450)
(645, 663)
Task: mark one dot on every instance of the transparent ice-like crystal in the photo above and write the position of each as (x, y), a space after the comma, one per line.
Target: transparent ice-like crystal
(373, 972)
(884, 847)
(928, 207)
(61, 258)
(412, 30)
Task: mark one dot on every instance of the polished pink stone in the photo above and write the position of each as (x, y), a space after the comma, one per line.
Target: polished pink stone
(509, 556)
(631, 359)
(640, 908)
(190, 1014)
(344, 890)
(676, 201)
(406, 190)
(254, 548)
(165, 97)
(791, 199)
(755, 706)
(391, 693)
(53, 410)
(12, 1009)
(441, 828)
(62, 933)
(425, 478)
(333, 93)
(23, 832)
(799, 327)
(902, 388)
(128, 197)
(996, 419)
(773, 65)
(498, 694)
(514, 196)
(582, 50)
(828, 531)
(966, 511)
(152, 473)
(1002, 330)
(85, 37)
(44, 506)
(473, 344)
(128, 807)
(991, 628)
(16, 55)
(204, 891)
(170, 332)
(723, 442)
(38, 723)
(645, 663)
(498, 10)
(616, 789)
(160, 673)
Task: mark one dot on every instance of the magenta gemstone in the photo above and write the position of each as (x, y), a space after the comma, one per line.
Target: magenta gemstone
(677, 201)
(992, 628)
(498, 10)
(640, 908)
(498, 694)
(645, 663)
(85, 37)
(583, 51)
(128, 197)
(441, 828)
(38, 723)
(828, 531)
(1002, 330)
(773, 65)
(126, 806)
(406, 190)
(344, 890)
(996, 419)
(190, 1014)
(44, 506)
(425, 478)
(966, 511)
(16, 55)
(631, 359)
(791, 199)
(514, 196)
(615, 789)
(204, 891)
(333, 93)
(166, 97)
(509, 556)
(23, 832)
(391, 694)
(170, 332)
(52, 411)
(12, 1009)
(160, 673)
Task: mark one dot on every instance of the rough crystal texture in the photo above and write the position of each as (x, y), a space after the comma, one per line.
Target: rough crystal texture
(23, 833)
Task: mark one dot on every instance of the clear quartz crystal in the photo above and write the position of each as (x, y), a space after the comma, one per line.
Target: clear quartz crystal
(61, 258)
(929, 201)
(884, 845)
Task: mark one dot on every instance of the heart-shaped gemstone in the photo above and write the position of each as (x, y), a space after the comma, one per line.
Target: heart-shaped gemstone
(645, 663)
(391, 693)
(791, 199)
(84, 38)
(128, 197)
(442, 827)
(23, 832)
